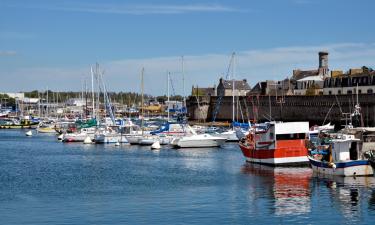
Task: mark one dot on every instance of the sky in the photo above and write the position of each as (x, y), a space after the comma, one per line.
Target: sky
(52, 43)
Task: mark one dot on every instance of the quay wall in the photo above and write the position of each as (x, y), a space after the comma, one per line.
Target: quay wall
(315, 109)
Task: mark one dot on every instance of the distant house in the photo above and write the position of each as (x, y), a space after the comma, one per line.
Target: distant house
(206, 91)
(225, 87)
(347, 83)
(270, 87)
(313, 83)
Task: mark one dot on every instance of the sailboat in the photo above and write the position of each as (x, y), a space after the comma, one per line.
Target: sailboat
(230, 134)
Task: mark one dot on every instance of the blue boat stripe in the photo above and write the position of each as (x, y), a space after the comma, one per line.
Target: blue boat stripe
(341, 164)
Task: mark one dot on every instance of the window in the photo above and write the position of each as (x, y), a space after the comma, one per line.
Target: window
(339, 92)
(290, 136)
(369, 91)
(329, 92)
(349, 92)
(359, 91)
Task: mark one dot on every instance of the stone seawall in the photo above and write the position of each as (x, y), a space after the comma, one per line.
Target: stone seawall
(315, 109)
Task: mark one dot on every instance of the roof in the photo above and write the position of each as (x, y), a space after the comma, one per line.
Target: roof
(238, 84)
(311, 78)
(299, 74)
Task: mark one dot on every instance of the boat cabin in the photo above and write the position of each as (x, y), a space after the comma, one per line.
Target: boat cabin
(278, 132)
(347, 148)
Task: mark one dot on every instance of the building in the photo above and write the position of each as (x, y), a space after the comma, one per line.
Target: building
(312, 85)
(209, 91)
(362, 79)
(271, 87)
(225, 87)
(322, 70)
(19, 96)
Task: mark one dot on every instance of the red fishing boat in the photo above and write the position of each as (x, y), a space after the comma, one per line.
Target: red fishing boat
(276, 143)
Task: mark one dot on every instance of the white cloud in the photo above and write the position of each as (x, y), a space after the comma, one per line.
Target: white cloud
(134, 9)
(202, 70)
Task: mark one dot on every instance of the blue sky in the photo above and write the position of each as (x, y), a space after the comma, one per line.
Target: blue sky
(52, 43)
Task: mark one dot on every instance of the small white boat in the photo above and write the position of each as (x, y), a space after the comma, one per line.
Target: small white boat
(198, 141)
(194, 140)
(29, 133)
(46, 127)
(80, 136)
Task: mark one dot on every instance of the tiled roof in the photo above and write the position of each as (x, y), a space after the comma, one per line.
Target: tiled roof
(238, 84)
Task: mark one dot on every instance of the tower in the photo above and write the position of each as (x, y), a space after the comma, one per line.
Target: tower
(323, 63)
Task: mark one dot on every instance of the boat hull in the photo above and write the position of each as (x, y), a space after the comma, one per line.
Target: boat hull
(345, 169)
(286, 154)
(28, 126)
(109, 139)
(76, 138)
(46, 130)
(181, 143)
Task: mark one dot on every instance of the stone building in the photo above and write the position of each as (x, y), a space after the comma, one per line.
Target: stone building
(362, 79)
(225, 87)
(312, 80)
(208, 91)
(271, 87)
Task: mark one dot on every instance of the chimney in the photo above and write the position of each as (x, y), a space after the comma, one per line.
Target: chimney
(323, 63)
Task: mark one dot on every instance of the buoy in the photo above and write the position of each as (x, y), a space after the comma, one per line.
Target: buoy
(60, 137)
(29, 133)
(87, 140)
(155, 145)
(117, 144)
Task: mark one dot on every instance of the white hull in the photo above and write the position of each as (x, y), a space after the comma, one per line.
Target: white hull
(228, 135)
(280, 161)
(133, 139)
(197, 141)
(46, 131)
(350, 170)
(77, 137)
(110, 138)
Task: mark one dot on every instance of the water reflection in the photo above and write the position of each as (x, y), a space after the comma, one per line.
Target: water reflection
(349, 195)
(289, 188)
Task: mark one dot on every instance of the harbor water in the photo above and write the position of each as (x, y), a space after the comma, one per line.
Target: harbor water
(43, 181)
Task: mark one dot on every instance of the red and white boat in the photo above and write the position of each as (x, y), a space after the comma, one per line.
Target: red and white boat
(276, 143)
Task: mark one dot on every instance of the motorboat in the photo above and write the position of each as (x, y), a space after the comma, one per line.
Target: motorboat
(194, 140)
(46, 127)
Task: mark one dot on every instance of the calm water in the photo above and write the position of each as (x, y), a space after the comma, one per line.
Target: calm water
(43, 181)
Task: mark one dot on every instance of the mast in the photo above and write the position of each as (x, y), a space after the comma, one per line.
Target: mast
(142, 90)
(38, 105)
(183, 83)
(47, 103)
(85, 99)
(168, 74)
(92, 93)
(233, 84)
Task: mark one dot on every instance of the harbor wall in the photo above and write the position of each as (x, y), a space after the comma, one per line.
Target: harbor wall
(315, 109)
